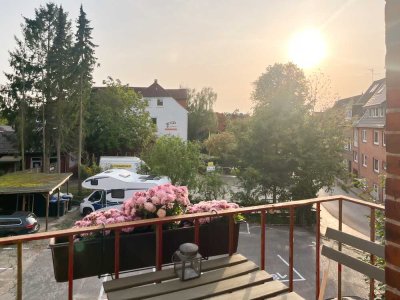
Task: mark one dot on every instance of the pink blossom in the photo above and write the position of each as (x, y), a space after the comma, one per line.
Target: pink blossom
(150, 207)
(161, 213)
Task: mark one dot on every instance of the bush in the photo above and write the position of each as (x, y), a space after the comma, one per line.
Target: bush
(88, 171)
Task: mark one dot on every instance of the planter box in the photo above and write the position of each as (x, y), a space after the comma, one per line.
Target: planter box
(95, 256)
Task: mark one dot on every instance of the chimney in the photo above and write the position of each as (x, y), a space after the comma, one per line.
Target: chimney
(155, 80)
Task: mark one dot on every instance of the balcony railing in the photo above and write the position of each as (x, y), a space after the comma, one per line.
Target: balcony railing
(263, 210)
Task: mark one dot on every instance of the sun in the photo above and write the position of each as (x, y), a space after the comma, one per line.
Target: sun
(307, 48)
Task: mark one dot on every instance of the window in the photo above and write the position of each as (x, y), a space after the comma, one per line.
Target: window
(154, 121)
(160, 102)
(355, 137)
(383, 139)
(383, 112)
(355, 156)
(376, 137)
(364, 160)
(384, 165)
(376, 165)
(364, 135)
(119, 193)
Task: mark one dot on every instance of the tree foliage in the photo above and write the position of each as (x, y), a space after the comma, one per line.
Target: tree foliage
(175, 158)
(222, 146)
(201, 120)
(292, 150)
(116, 120)
(39, 98)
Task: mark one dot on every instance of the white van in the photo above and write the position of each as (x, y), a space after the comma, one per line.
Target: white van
(130, 163)
(103, 199)
(123, 179)
(114, 186)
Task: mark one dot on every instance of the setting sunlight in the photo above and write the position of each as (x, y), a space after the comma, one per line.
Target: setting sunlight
(307, 48)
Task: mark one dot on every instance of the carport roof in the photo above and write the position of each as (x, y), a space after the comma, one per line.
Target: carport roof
(27, 182)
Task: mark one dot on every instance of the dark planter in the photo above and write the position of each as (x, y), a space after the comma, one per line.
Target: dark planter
(95, 256)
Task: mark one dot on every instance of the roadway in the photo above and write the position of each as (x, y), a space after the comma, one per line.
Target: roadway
(354, 215)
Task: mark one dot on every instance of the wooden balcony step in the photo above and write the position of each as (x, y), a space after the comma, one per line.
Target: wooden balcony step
(147, 278)
(217, 288)
(290, 296)
(262, 291)
(177, 285)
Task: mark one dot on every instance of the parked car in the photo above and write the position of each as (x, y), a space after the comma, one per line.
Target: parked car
(63, 197)
(18, 222)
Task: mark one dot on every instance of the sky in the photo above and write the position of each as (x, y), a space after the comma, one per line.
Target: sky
(224, 44)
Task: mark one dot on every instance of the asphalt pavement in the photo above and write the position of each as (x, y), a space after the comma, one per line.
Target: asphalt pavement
(354, 215)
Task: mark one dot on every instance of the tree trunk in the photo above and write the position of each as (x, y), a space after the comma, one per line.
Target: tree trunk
(80, 137)
(58, 146)
(44, 165)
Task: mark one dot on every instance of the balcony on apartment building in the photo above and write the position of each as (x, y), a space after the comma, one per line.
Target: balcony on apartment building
(235, 275)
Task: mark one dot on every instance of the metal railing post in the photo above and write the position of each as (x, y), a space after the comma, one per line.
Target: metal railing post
(231, 232)
(116, 252)
(19, 270)
(197, 232)
(372, 257)
(70, 267)
(340, 249)
(291, 239)
(159, 241)
(317, 250)
(262, 262)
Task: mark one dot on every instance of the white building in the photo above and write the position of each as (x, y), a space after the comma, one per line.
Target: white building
(167, 108)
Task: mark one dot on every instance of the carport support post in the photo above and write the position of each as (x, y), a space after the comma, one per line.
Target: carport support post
(19, 270)
(47, 209)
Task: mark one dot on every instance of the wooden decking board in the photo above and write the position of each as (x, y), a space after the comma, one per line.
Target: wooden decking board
(217, 288)
(147, 278)
(290, 296)
(176, 285)
(348, 239)
(268, 289)
(354, 263)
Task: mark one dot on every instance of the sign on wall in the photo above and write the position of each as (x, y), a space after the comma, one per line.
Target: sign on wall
(171, 126)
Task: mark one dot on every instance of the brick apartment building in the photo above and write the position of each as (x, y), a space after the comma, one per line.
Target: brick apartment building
(365, 150)
(369, 144)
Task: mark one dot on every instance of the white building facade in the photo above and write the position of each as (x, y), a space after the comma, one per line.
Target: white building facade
(167, 108)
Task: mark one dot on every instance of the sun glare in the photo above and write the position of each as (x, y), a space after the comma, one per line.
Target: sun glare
(307, 48)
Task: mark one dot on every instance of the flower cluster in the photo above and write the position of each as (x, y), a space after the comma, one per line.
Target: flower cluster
(159, 201)
(210, 206)
(110, 216)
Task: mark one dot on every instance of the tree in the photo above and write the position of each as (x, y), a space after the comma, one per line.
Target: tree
(171, 156)
(116, 121)
(84, 59)
(201, 120)
(16, 102)
(60, 65)
(38, 34)
(222, 146)
(294, 151)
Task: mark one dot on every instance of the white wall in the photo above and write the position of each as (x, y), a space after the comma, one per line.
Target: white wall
(172, 118)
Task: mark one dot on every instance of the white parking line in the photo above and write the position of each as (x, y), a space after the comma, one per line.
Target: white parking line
(286, 263)
(11, 248)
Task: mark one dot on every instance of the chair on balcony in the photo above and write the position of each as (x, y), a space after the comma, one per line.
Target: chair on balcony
(231, 277)
(358, 265)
